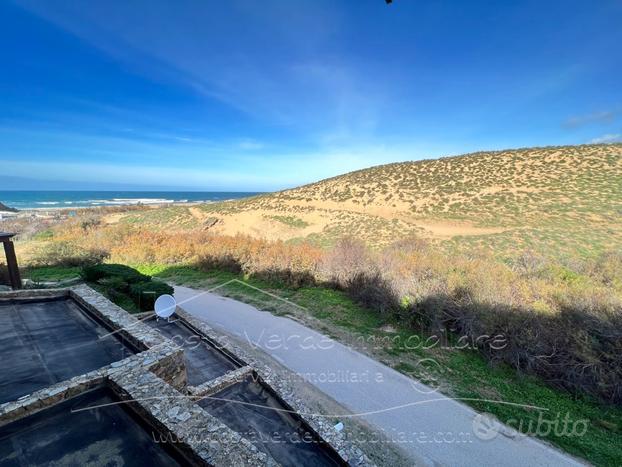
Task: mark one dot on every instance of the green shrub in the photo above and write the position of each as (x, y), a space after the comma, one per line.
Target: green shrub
(114, 284)
(46, 234)
(120, 271)
(120, 282)
(145, 294)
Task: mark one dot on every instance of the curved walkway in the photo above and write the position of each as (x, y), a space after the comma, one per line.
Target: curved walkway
(433, 429)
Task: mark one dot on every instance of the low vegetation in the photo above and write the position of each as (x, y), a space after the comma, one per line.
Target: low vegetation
(556, 201)
(519, 247)
(120, 283)
(462, 371)
(290, 221)
(562, 322)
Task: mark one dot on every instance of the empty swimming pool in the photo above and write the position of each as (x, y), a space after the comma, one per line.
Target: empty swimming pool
(250, 409)
(105, 434)
(203, 361)
(43, 342)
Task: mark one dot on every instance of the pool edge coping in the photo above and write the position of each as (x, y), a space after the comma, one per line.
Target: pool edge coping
(159, 366)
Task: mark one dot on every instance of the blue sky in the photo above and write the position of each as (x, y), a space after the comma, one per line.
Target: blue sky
(262, 95)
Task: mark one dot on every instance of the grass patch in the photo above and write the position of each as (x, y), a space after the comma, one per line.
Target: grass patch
(47, 234)
(50, 273)
(291, 221)
(462, 374)
(59, 273)
(114, 293)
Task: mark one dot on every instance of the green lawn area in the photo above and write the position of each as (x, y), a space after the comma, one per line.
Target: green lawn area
(50, 273)
(462, 374)
(61, 273)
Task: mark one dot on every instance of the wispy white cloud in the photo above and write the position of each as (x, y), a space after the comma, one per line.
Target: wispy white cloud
(195, 177)
(603, 117)
(299, 79)
(245, 170)
(249, 144)
(608, 138)
(282, 93)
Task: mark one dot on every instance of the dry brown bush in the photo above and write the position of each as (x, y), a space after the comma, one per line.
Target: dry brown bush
(69, 254)
(562, 323)
(347, 259)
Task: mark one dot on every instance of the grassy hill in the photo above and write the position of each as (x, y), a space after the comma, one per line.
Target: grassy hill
(560, 316)
(556, 200)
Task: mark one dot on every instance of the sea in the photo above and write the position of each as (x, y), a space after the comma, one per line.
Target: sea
(89, 199)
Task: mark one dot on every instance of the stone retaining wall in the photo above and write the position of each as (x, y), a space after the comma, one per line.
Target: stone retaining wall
(152, 378)
(181, 422)
(215, 385)
(280, 385)
(155, 378)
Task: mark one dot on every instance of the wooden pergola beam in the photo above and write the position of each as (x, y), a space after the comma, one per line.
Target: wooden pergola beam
(11, 259)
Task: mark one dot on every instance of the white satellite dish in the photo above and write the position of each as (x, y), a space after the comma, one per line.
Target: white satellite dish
(165, 306)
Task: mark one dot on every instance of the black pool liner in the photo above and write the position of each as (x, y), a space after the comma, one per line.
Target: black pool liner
(107, 434)
(248, 408)
(203, 361)
(43, 342)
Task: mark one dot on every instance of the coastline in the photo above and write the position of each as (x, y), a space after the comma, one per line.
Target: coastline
(65, 210)
(37, 201)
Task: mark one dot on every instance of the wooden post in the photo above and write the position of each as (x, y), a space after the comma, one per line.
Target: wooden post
(11, 261)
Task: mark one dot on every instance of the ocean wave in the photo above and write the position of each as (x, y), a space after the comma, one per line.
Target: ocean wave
(51, 203)
(129, 201)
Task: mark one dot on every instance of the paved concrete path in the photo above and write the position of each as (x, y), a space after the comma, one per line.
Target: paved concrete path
(433, 429)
